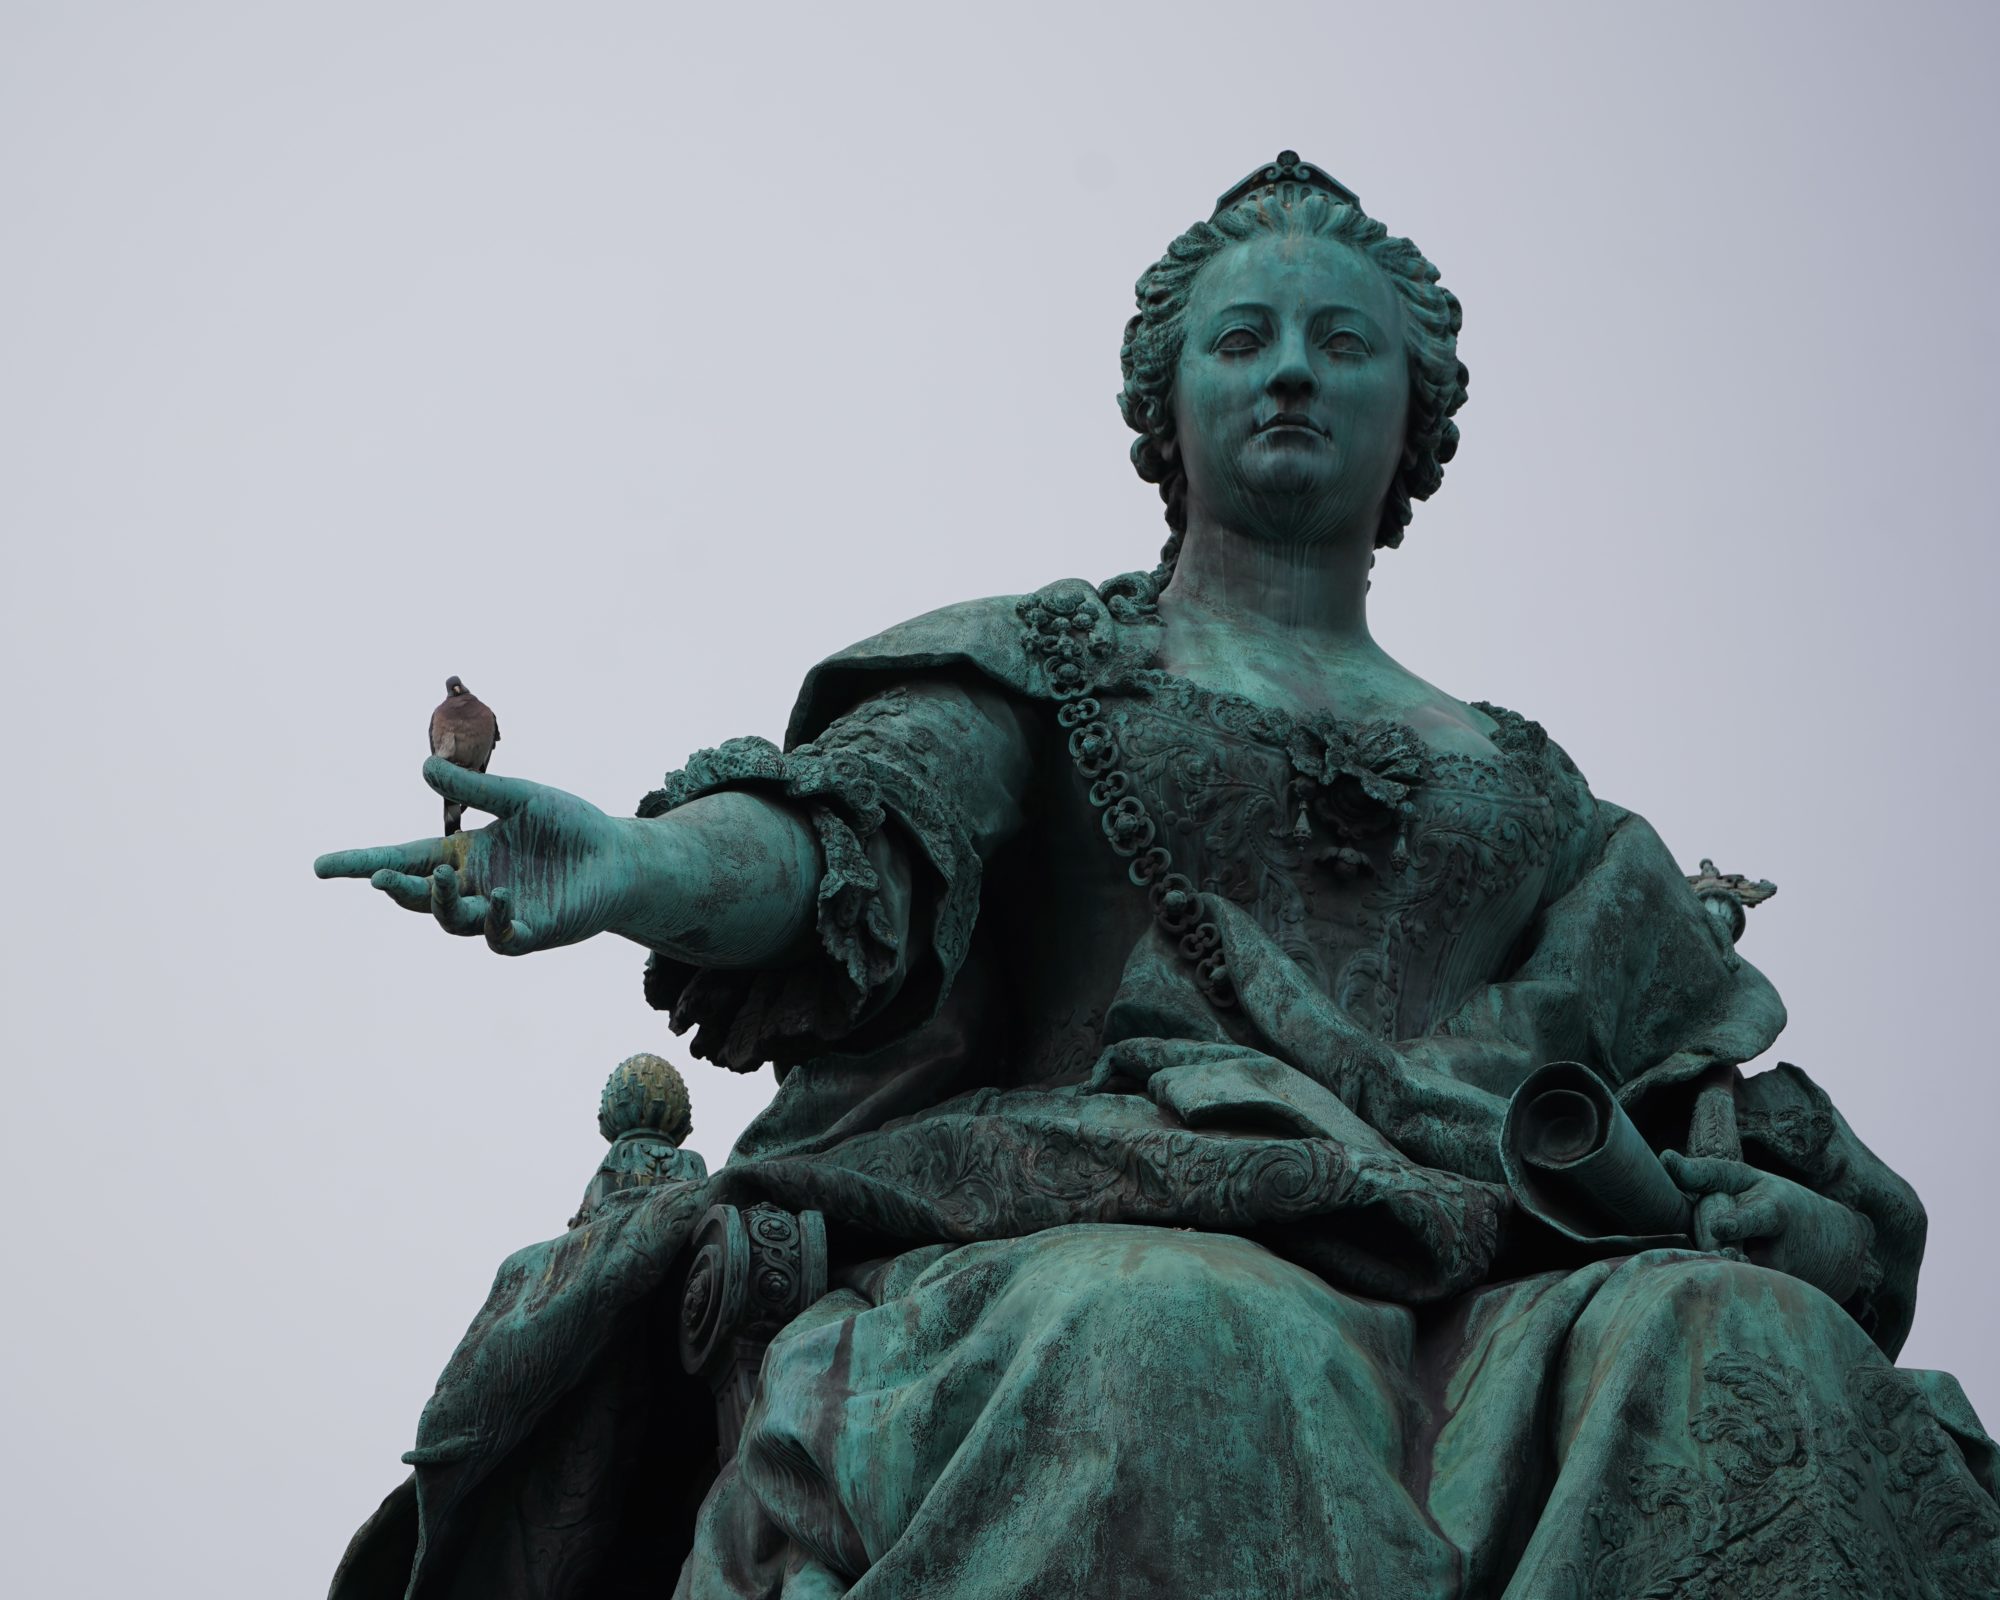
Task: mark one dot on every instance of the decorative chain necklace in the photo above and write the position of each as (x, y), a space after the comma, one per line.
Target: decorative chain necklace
(1134, 836)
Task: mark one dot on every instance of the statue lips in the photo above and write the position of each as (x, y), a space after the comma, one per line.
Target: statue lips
(1290, 422)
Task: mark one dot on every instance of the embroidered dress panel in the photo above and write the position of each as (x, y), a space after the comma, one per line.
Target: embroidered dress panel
(1396, 875)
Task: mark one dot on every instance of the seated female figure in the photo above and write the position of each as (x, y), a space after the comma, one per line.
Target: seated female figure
(1149, 967)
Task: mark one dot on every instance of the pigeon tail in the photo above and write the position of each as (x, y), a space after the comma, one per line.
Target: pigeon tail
(453, 810)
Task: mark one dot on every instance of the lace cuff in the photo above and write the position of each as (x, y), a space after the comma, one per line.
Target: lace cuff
(848, 783)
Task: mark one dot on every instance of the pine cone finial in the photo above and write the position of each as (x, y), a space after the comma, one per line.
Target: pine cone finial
(645, 1094)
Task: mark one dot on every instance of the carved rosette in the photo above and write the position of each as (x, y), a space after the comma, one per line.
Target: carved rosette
(1066, 636)
(751, 1272)
(718, 1276)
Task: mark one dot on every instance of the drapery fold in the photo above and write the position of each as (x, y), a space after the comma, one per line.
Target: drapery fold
(1116, 1411)
(923, 1112)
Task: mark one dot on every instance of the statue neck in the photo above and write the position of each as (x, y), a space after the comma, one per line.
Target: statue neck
(1313, 590)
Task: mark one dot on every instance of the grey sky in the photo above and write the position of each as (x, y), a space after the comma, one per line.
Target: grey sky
(626, 359)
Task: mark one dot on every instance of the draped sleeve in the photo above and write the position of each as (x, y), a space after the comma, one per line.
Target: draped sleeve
(908, 793)
(1622, 969)
(1790, 1126)
(1625, 970)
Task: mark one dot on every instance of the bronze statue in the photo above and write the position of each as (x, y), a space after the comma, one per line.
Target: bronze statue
(1147, 1206)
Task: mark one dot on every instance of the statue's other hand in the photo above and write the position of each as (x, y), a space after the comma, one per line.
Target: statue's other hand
(1774, 1222)
(543, 873)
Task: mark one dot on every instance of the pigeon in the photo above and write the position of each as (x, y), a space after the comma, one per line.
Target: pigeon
(463, 731)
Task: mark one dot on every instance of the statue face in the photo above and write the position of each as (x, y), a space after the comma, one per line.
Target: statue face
(1292, 389)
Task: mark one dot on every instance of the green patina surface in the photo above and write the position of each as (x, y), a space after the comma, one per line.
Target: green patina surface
(1164, 985)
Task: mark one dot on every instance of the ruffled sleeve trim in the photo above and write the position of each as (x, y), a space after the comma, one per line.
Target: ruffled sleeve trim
(848, 792)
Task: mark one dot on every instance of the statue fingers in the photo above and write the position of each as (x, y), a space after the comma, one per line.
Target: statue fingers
(1698, 1175)
(484, 791)
(1750, 1219)
(1713, 1226)
(456, 911)
(410, 892)
(504, 933)
(419, 856)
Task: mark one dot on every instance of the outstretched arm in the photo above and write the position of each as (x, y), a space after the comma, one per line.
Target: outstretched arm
(910, 793)
(727, 880)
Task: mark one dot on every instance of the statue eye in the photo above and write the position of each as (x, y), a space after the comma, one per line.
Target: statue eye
(1238, 342)
(1345, 342)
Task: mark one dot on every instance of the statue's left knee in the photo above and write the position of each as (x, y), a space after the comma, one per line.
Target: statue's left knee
(1717, 1292)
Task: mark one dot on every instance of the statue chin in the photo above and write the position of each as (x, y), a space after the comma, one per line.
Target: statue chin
(1296, 508)
(1289, 494)
(1293, 472)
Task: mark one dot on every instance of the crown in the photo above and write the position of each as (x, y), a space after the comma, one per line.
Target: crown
(1288, 168)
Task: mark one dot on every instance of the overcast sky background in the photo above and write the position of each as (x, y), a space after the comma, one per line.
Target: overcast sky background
(627, 359)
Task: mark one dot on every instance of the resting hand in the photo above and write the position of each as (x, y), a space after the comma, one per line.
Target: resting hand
(1774, 1222)
(547, 872)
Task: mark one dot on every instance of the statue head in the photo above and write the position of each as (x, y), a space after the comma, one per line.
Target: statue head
(1262, 361)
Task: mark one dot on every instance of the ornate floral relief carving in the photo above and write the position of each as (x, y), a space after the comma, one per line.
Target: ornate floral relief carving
(1805, 1498)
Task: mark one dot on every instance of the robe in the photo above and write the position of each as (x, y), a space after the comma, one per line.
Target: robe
(1150, 1077)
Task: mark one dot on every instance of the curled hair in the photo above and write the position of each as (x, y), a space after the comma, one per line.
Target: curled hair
(1151, 353)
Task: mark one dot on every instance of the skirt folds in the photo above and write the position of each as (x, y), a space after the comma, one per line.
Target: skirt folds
(1111, 1410)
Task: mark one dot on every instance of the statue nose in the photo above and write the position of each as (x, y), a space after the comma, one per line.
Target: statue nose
(1292, 377)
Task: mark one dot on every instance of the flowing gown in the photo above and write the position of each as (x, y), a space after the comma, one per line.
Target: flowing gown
(1150, 1079)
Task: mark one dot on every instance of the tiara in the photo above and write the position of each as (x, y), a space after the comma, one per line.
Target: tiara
(1288, 168)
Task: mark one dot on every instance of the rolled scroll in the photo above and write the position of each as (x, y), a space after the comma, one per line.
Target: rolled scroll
(1575, 1160)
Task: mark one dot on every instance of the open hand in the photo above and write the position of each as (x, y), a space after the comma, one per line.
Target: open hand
(546, 872)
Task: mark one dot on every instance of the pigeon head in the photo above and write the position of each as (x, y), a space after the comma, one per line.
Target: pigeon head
(454, 685)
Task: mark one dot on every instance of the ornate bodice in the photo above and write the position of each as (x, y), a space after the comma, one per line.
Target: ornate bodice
(1398, 876)
(1401, 878)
